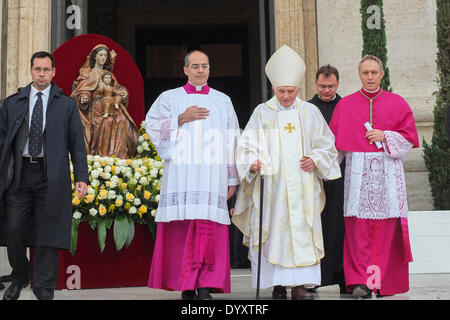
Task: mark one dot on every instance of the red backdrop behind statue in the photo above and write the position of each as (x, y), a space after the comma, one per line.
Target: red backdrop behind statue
(71, 55)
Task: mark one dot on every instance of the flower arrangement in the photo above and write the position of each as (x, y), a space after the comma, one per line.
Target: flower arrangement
(121, 192)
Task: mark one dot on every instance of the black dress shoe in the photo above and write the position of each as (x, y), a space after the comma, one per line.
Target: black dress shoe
(188, 295)
(301, 293)
(279, 293)
(362, 291)
(203, 294)
(13, 291)
(44, 293)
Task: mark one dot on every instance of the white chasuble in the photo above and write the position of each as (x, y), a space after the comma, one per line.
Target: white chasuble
(293, 198)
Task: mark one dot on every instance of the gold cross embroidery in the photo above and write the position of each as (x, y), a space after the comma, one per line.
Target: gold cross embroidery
(289, 127)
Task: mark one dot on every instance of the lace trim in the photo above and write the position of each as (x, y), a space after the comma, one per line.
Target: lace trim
(193, 197)
(375, 187)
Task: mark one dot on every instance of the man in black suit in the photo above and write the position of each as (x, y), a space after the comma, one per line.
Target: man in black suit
(39, 127)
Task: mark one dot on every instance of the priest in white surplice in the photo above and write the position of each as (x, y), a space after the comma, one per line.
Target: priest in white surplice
(194, 129)
(289, 142)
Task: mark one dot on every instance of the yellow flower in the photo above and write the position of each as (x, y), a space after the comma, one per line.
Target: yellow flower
(108, 183)
(123, 185)
(142, 209)
(102, 210)
(111, 208)
(146, 136)
(127, 206)
(113, 169)
(147, 194)
(118, 203)
(89, 198)
(103, 194)
(103, 163)
(129, 197)
(75, 201)
(129, 161)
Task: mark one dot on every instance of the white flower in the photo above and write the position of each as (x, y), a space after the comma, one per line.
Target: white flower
(90, 157)
(127, 175)
(157, 198)
(97, 158)
(139, 149)
(90, 191)
(153, 213)
(145, 146)
(77, 215)
(141, 139)
(96, 165)
(161, 171)
(115, 179)
(93, 212)
(137, 201)
(137, 175)
(113, 184)
(143, 181)
(95, 183)
(154, 173)
(132, 210)
(111, 194)
(108, 169)
(94, 174)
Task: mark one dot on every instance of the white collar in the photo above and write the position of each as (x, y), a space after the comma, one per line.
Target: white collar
(197, 88)
(34, 91)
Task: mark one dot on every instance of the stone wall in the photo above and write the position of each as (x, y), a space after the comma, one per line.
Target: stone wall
(411, 45)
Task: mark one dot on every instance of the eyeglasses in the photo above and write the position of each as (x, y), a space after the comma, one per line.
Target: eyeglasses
(323, 87)
(38, 70)
(197, 66)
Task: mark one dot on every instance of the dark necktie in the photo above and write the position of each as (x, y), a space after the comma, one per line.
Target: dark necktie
(35, 142)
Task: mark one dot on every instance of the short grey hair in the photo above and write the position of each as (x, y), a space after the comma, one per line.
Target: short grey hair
(186, 58)
(370, 57)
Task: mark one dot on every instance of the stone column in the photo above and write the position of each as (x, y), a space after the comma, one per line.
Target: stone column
(28, 24)
(295, 26)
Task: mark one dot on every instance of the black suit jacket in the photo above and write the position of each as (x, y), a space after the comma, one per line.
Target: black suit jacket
(63, 135)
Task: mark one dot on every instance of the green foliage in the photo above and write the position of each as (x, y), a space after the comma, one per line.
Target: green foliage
(437, 154)
(374, 40)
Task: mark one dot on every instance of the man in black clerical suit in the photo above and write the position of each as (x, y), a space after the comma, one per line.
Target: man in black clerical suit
(331, 266)
(39, 127)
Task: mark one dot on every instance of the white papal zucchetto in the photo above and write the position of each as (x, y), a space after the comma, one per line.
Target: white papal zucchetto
(285, 68)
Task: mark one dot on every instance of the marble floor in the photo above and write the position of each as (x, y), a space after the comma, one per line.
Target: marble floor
(422, 287)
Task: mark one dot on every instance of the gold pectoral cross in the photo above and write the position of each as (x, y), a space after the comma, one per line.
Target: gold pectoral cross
(289, 127)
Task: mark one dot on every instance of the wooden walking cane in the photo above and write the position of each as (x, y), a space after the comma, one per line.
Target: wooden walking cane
(260, 235)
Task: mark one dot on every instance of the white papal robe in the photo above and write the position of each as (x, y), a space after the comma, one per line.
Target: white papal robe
(293, 199)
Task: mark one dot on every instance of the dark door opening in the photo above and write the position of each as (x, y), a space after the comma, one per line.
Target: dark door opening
(160, 55)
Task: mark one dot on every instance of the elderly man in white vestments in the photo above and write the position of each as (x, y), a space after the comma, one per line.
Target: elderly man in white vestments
(195, 130)
(288, 141)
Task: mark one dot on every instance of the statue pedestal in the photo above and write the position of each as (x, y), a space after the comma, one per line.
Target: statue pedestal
(128, 267)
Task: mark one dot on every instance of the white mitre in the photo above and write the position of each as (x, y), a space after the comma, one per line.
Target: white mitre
(285, 68)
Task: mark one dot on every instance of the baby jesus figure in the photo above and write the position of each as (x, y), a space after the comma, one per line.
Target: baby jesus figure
(111, 96)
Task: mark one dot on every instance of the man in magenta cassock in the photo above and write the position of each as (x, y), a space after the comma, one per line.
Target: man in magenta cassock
(374, 130)
(195, 130)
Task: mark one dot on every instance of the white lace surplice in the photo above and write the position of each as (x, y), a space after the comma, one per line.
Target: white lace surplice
(198, 157)
(375, 185)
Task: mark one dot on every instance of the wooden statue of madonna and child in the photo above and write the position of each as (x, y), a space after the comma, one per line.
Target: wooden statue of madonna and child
(109, 130)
